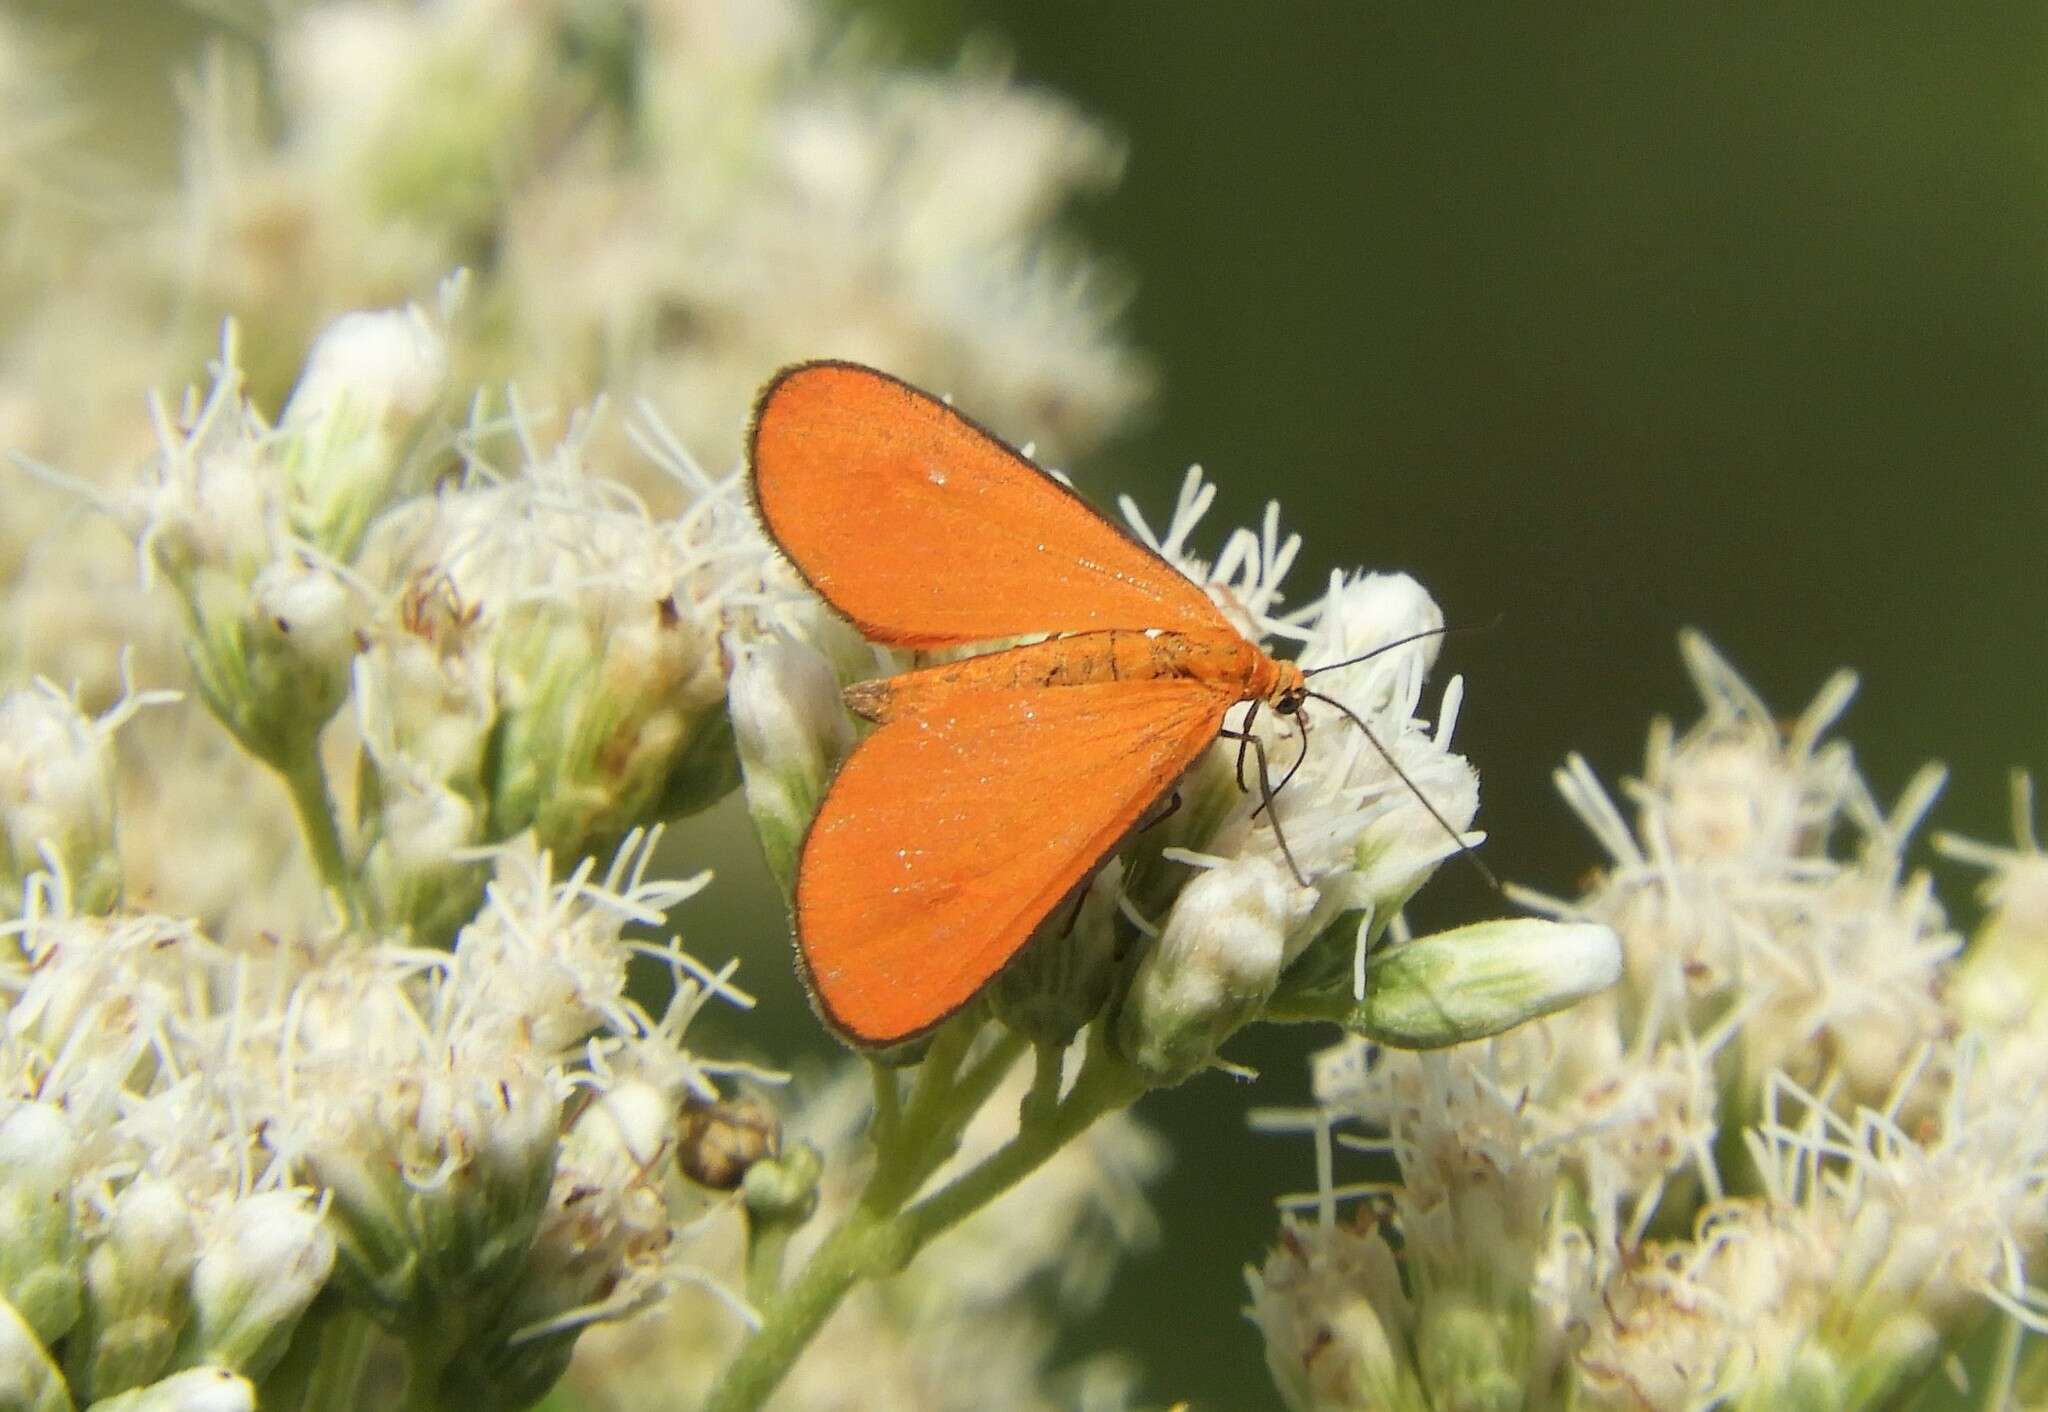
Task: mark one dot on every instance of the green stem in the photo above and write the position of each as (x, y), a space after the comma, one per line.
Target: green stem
(766, 1241)
(1048, 1068)
(1103, 1085)
(427, 1353)
(2003, 1375)
(344, 1349)
(853, 1253)
(306, 782)
(879, 1236)
(901, 1156)
(888, 1101)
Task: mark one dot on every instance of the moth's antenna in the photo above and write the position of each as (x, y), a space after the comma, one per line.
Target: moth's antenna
(1414, 788)
(1400, 642)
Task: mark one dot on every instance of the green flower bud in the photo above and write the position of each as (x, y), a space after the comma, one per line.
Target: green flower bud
(603, 1239)
(270, 623)
(1479, 980)
(602, 703)
(29, 1379)
(39, 1251)
(136, 1296)
(1212, 969)
(341, 439)
(792, 732)
(194, 1390)
(272, 656)
(783, 1190)
(258, 1269)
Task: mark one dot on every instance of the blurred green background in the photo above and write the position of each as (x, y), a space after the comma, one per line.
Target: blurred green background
(1602, 320)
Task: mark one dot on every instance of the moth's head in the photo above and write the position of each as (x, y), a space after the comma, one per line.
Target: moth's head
(1290, 690)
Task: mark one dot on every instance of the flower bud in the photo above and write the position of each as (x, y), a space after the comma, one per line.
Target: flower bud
(194, 1390)
(1211, 969)
(603, 1235)
(294, 648)
(344, 431)
(56, 799)
(1479, 980)
(270, 655)
(1336, 1322)
(792, 732)
(258, 1268)
(136, 1299)
(39, 1254)
(783, 1189)
(2001, 980)
(271, 625)
(29, 1379)
(1470, 1352)
(425, 714)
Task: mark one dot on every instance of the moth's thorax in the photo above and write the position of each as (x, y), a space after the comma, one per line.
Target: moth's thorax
(1223, 660)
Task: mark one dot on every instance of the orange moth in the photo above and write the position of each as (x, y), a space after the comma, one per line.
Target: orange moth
(994, 786)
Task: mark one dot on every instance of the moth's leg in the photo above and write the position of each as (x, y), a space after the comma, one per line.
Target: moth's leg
(1258, 748)
(1300, 724)
(1074, 912)
(1173, 803)
(1243, 736)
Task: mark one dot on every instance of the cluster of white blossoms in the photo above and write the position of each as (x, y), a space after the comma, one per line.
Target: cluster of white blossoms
(1374, 800)
(661, 198)
(472, 1150)
(1791, 1159)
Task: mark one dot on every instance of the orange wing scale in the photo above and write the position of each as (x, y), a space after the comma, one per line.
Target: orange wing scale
(927, 531)
(947, 839)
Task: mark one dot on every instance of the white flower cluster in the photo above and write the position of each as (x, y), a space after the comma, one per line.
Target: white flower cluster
(193, 1140)
(479, 1144)
(1790, 1068)
(667, 200)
